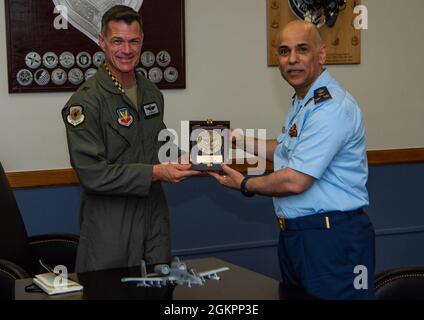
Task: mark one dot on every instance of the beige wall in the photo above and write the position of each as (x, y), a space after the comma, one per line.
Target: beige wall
(228, 78)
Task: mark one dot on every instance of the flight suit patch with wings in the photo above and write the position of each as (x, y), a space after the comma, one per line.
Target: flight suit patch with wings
(151, 110)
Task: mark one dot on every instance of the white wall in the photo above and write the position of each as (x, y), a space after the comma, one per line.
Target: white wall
(228, 78)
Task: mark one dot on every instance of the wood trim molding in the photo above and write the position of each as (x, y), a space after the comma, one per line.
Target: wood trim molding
(48, 178)
(397, 156)
(44, 178)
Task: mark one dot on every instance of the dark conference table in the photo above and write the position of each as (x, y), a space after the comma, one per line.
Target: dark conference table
(236, 284)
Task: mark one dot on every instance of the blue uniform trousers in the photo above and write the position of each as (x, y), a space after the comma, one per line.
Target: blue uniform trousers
(330, 256)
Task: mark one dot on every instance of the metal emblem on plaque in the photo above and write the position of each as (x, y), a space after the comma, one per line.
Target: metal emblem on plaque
(89, 73)
(33, 60)
(171, 74)
(83, 59)
(163, 58)
(42, 77)
(59, 77)
(24, 77)
(209, 141)
(155, 75)
(98, 58)
(50, 60)
(75, 76)
(147, 59)
(67, 59)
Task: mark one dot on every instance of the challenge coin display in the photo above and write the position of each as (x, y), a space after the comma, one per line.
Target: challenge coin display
(52, 45)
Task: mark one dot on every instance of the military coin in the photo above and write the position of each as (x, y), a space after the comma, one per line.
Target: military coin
(75, 76)
(24, 77)
(98, 58)
(171, 74)
(33, 60)
(50, 60)
(83, 59)
(89, 73)
(67, 59)
(148, 59)
(155, 75)
(163, 58)
(59, 76)
(41, 77)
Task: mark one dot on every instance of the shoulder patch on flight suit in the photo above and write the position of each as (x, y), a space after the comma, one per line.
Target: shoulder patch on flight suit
(76, 115)
(125, 118)
(151, 110)
(322, 94)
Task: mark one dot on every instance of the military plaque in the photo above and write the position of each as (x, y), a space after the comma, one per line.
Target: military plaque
(46, 35)
(335, 20)
(209, 144)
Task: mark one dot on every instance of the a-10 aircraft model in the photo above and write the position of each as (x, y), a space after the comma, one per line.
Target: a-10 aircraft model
(176, 274)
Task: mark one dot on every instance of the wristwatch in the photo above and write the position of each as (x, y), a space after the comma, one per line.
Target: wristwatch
(243, 188)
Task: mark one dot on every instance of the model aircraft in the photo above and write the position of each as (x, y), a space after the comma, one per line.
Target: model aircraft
(175, 274)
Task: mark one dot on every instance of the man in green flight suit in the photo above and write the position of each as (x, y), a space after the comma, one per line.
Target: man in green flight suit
(112, 124)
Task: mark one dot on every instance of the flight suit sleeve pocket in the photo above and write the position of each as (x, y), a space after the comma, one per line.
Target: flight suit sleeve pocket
(116, 144)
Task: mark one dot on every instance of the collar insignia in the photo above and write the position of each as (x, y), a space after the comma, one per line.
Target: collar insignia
(76, 115)
(293, 131)
(115, 80)
(322, 94)
(125, 118)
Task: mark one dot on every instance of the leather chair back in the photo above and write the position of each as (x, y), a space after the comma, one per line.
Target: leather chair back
(13, 236)
(400, 284)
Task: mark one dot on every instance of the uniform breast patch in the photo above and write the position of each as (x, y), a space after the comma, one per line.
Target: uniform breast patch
(151, 110)
(76, 116)
(293, 131)
(125, 118)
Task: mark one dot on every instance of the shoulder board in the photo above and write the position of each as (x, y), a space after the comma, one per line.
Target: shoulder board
(322, 94)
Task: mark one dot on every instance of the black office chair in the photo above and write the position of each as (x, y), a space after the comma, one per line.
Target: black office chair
(400, 284)
(19, 254)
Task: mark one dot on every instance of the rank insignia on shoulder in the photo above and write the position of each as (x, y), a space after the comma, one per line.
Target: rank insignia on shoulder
(322, 94)
(151, 110)
(125, 118)
(76, 115)
(293, 131)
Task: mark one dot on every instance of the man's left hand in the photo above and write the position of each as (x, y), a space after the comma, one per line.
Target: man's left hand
(230, 178)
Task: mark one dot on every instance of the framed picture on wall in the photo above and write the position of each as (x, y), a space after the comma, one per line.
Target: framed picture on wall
(48, 53)
(342, 39)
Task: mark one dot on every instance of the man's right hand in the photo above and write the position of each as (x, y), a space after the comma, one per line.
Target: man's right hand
(173, 173)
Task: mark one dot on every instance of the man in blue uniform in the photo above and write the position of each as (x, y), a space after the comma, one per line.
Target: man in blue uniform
(326, 244)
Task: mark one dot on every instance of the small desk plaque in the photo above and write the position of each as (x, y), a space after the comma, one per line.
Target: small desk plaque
(209, 144)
